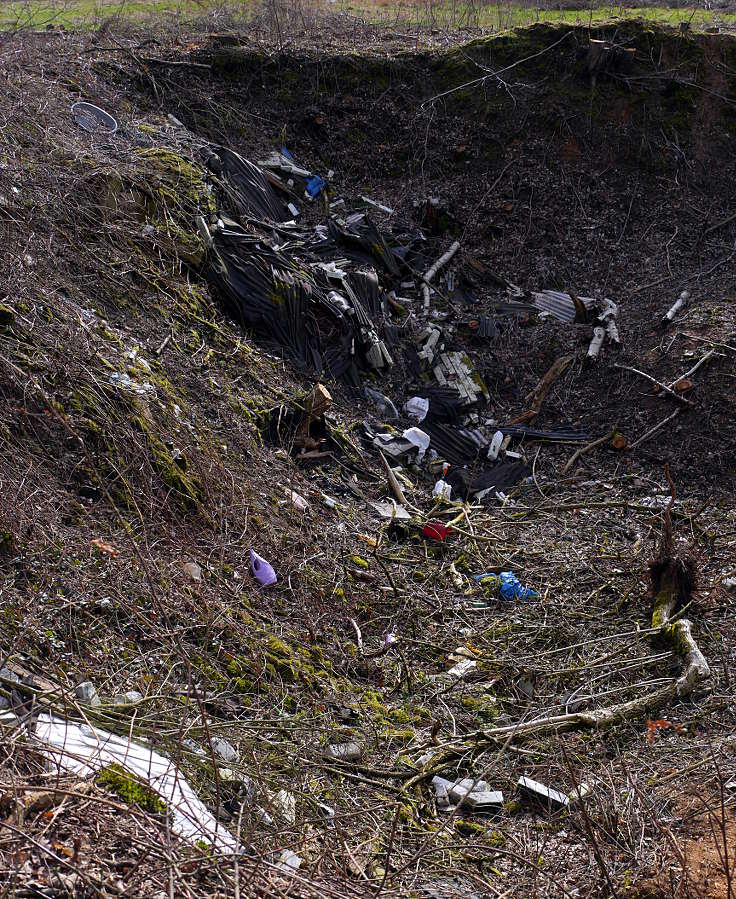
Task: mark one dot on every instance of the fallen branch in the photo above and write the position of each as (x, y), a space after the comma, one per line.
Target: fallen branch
(656, 428)
(587, 448)
(433, 269)
(643, 374)
(694, 368)
(539, 394)
(393, 481)
(672, 577)
(719, 225)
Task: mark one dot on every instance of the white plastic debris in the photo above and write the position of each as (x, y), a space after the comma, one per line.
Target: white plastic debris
(442, 490)
(125, 382)
(377, 205)
(419, 439)
(86, 692)
(84, 750)
(463, 668)
(606, 327)
(596, 342)
(680, 303)
(432, 271)
(345, 752)
(297, 500)
(495, 448)
(417, 407)
(284, 803)
(192, 570)
(289, 861)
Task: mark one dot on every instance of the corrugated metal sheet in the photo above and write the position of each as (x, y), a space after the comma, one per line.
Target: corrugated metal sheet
(560, 305)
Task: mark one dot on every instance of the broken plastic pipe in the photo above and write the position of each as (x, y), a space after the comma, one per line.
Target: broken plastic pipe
(680, 303)
(433, 269)
(376, 205)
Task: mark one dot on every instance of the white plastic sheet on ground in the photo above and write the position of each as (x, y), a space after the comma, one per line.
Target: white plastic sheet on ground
(84, 750)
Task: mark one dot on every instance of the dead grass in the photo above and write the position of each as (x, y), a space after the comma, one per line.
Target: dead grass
(280, 674)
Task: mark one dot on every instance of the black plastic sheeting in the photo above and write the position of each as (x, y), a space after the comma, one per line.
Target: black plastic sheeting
(503, 476)
(316, 315)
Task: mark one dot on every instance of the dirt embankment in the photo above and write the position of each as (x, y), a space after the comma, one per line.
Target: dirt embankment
(139, 466)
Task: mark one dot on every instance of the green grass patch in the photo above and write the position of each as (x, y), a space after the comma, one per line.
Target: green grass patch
(504, 16)
(84, 14)
(442, 14)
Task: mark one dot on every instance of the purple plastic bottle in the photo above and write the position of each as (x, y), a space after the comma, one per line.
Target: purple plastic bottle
(262, 571)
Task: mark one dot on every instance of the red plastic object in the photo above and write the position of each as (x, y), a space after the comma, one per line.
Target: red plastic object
(435, 530)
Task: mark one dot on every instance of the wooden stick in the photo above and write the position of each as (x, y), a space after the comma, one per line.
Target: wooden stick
(721, 224)
(694, 368)
(587, 448)
(393, 482)
(655, 429)
(664, 387)
(539, 394)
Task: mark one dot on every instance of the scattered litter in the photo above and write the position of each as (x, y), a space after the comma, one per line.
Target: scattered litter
(495, 446)
(345, 752)
(441, 788)
(87, 692)
(483, 802)
(526, 687)
(193, 570)
(435, 530)
(433, 269)
(456, 370)
(606, 327)
(462, 668)
(84, 750)
(681, 303)
(315, 185)
(262, 570)
(418, 438)
(534, 791)
(553, 435)
(563, 306)
(132, 697)
(417, 407)
(93, 119)
(289, 861)
(125, 382)
(382, 402)
(224, 750)
(579, 793)
(376, 205)
(297, 500)
(506, 585)
(391, 510)
(469, 794)
(284, 804)
(327, 810)
(442, 490)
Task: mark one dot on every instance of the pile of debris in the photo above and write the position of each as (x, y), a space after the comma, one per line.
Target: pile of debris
(349, 300)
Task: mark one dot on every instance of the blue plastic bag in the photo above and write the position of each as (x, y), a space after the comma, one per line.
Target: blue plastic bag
(315, 185)
(507, 585)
